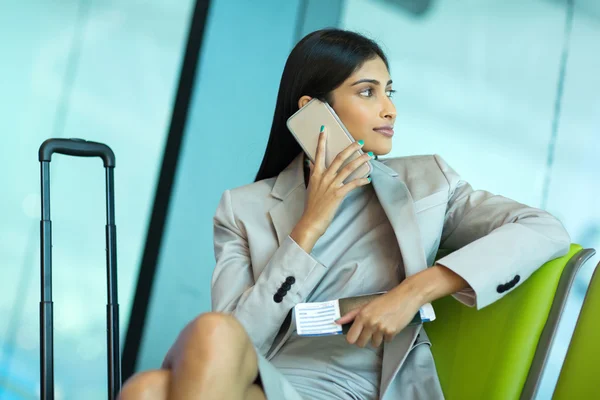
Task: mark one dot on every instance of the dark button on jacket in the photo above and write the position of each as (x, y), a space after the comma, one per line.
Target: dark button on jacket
(282, 291)
(508, 285)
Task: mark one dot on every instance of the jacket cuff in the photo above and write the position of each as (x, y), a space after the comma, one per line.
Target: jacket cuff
(288, 279)
(497, 263)
(303, 267)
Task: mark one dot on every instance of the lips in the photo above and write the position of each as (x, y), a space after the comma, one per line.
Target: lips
(385, 130)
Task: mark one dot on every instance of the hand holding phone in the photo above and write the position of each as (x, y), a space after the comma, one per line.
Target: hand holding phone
(305, 125)
(326, 188)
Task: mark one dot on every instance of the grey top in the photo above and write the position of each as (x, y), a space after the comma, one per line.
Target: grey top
(361, 254)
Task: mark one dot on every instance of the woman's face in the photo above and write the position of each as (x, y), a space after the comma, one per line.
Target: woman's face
(363, 103)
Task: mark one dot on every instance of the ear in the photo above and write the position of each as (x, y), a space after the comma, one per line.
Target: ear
(303, 100)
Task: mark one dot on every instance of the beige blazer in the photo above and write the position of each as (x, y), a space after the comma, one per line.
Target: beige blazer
(493, 242)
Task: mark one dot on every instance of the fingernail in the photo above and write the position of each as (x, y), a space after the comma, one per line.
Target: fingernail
(370, 154)
(322, 128)
(361, 142)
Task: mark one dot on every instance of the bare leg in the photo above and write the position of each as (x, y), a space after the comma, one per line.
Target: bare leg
(149, 385)
(154, 385)
(213, 358)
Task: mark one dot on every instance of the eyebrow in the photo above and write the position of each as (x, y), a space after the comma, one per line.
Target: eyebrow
(373, 81)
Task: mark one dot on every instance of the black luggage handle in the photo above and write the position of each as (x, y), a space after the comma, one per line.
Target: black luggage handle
(77, 148)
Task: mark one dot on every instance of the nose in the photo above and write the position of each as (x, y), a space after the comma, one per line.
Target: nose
(388, 110)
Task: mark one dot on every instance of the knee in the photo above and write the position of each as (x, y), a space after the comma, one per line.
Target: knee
(203, 336)
(224, 341)
(146, 385)
(215, 328)
(210, 336)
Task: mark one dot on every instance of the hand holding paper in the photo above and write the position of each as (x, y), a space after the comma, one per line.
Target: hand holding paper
(382, 318)
(323, 318)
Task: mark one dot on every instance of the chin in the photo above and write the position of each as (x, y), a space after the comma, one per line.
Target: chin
(383, 152)
(382, 149)
(379, 145)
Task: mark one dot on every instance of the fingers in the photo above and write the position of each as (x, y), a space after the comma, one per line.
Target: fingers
(351, 167)
(338, 161)
(349, 317)
(377, 339)
(368, 333)
(319, 166)
(364, 330)
(353, 184)
(365, 336)
(354, 332)
(332, 175)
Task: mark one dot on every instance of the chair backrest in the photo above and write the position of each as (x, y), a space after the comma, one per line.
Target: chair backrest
(579, 377)
(487, 354)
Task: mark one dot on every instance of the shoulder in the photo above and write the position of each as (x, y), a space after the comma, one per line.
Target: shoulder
(423, 166)
(400, 163)
(259, 189)
(423, 173)
(254, 196)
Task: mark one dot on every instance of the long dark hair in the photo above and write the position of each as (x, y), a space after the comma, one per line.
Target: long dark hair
(317, 65)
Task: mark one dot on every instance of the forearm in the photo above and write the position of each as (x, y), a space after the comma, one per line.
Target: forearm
(305, 236)
(434, 283)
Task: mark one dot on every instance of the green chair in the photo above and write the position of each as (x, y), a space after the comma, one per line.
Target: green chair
(579, 377)
(499, 352)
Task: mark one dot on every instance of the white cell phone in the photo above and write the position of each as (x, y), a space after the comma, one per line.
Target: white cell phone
(305, 126)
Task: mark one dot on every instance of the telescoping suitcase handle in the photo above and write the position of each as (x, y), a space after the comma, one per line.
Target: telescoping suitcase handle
(77, 148)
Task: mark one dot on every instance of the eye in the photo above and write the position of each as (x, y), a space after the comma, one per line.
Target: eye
(390, 93)
(369, 92)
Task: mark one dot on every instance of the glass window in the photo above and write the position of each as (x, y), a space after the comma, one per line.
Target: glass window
(101, 71)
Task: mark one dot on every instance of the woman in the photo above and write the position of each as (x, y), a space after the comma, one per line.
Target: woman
(299, 235)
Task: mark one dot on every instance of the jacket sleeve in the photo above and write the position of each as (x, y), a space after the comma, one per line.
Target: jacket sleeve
(495, 243)
(251, 301)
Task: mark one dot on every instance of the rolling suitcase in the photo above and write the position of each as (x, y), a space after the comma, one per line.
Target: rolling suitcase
(77, 148)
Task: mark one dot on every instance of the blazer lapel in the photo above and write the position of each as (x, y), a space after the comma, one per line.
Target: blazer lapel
(394, 354)
(396, 201)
